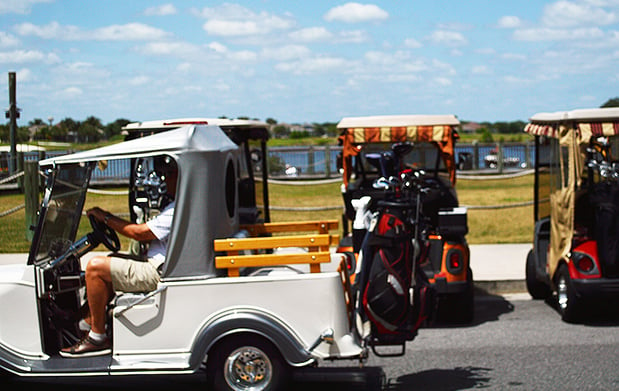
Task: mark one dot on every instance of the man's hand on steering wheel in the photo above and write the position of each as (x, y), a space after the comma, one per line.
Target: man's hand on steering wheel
(103, 233)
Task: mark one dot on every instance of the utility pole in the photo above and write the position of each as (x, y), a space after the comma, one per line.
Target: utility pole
(12, 113)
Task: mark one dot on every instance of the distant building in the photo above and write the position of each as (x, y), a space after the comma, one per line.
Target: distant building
(470, 127)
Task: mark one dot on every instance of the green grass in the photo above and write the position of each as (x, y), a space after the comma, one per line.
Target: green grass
(513, 225)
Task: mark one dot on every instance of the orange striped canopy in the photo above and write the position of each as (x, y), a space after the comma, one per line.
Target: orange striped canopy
(436, 129)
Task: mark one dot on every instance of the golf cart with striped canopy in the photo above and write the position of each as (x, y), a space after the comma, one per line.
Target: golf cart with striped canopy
(382, 153)
(575, 253)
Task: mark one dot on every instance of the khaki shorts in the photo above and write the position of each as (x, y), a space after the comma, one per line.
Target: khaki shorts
(133, 276)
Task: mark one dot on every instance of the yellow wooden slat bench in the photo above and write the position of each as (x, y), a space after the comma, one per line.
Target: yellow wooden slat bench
(316, 244)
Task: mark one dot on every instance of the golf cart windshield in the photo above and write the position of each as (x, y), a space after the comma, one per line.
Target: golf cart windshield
(61, 211)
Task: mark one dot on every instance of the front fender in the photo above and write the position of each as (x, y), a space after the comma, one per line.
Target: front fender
(249, 321)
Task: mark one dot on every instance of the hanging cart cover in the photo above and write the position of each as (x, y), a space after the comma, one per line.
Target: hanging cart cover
(574, 130)
(437, 129)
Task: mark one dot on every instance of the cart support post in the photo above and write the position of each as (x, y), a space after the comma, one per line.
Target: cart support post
(31, 195)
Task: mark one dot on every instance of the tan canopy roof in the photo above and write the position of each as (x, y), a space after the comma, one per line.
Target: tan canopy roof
(588, 122)
(438, 129)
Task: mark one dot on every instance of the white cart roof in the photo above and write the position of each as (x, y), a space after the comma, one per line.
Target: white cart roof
(380, 121)
(593, 122)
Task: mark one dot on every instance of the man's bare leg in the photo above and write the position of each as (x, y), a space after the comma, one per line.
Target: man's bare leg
(98, 290)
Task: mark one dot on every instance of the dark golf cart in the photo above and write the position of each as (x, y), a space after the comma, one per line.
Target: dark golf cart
(575, 253)
(381, 151)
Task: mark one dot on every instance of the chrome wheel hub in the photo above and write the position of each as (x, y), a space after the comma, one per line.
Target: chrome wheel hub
(248, 368)
(562, 293)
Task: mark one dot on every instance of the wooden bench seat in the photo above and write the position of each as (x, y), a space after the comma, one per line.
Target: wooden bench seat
(317, 246)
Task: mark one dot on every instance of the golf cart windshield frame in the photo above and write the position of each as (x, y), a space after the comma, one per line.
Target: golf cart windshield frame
(61, 210)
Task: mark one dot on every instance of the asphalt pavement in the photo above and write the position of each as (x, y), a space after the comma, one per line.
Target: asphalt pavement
(497, 268)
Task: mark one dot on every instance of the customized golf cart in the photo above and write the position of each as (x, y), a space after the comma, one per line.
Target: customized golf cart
(575, 253)
(383, 153)
(232, 299)
(251, 319)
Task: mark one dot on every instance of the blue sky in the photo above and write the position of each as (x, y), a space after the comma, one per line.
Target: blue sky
(308, 61)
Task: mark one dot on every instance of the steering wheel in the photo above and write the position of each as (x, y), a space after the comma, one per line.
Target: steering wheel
(105, 234)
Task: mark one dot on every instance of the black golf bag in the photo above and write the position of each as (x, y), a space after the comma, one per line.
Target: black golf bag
(394, 295)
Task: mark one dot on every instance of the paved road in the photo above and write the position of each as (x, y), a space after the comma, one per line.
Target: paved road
(514, 343)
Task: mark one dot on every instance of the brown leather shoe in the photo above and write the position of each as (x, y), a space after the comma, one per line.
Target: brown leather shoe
(87, 347)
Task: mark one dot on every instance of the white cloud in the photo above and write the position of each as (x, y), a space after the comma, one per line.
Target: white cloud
(126, 32)
(412, 43)
(184, 67)
(571, 13)
(19, 6)
(231, 20)
(443, 81)
(50, 31)
(486, 51)
(551, 34)
(27, 56)
(311, 34)
(139, 80)
(181, 49)
(513, 56)
(311, 65)
(243, 56)
(161, 10)
(71, 92)
(356, 13)
(217, 47)
(509, 22)
(8, 40)
(480, 70)
(448, 38)
(286, 53)
(25, 75)
(516, 80)
(353, 36)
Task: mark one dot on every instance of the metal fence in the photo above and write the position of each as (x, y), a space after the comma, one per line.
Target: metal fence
(321, 161)
(318, 162)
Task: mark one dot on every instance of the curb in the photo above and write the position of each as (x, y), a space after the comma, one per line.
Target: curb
(500, 287)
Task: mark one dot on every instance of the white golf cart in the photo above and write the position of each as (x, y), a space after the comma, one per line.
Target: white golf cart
(225, 299)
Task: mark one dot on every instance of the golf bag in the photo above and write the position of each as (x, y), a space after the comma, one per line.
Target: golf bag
(394, 295)
(605, 198)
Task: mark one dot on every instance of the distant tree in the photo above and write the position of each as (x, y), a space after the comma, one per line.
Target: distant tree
(23, 134)
(244, 117)
(297, 134)
(319, 129)
(486, 136)
(614, 102)
(94, 121)
(36, 121)
(331, 129)
(271, 121)
(57, 133)
(114, 128)
(280, 131)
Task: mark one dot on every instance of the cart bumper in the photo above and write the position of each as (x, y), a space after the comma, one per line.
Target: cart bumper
(597, 287)
(441, 286)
